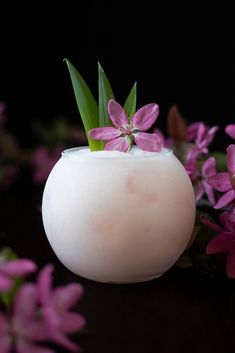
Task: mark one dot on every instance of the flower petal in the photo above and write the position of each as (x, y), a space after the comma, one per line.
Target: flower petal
(44, 283)
(164, 142)
(119, 144)
(225, 199)
(148, 142)
(192, 130)
(231, 264)
(210, 135)
(117, 113)
(220, 182)
(36, 329)
(25, 303)
(5, 340)
(209, 167)
(67, 296)
(231, 158)
(28, 347)
(199, 191)
(145, 117)
(191, 168)
(201, 133)
(61, 339)
(5, 283)
(104, 133)
(18, 267)
(230, 130)
(205, 137)
(72, 322)
(222, 243)
(228, 220)
(192, 155)
(209, 192)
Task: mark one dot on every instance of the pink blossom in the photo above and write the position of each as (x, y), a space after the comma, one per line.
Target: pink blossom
(43, 160)
(199, 179)
(203, 136)
(56, 306)
(192, 131)
(165, 142)
(13, 269)
(121, 136)
(20, 329)
(230, 130)
(224, 242)
(225, 182)
(40, 314)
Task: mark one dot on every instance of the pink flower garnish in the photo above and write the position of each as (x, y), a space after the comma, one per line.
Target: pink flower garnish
(43, 160)
(224, 242)
(225, 182)
(56, 304)
(230, 130)
(13, 269)
(120, 137)
(199, 180)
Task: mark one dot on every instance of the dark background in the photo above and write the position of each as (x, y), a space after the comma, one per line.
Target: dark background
(177, 55)
(183, 56)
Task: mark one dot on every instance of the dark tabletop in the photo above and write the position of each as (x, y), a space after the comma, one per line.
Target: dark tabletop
(182, 311)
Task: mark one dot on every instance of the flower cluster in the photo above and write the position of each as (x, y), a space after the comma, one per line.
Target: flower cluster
(191, 143)
(36, 313)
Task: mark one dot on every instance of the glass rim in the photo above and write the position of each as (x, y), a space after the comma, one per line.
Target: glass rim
(86, 154)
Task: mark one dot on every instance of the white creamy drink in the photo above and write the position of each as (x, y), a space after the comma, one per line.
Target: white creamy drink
(118, 217)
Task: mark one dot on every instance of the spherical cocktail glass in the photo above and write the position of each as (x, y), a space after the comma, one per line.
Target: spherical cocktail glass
(118, 217)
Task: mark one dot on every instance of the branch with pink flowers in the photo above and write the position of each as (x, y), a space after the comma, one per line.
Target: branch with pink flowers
(213, 189)
(34, 316)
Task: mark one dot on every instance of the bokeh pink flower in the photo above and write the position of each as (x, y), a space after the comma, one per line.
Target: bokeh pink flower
(225, 182)
(22, 329)
(230, 130)
(224, 241)
(43, 160)
(40, 314)
(9, 270)
(202, 137)
(56, 304)
(199, 178)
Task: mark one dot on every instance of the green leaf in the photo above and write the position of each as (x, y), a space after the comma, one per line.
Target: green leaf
(105, 94)
(221, 161)
(86, 103)
(7, 254)
(8, 297)
(130, 104)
